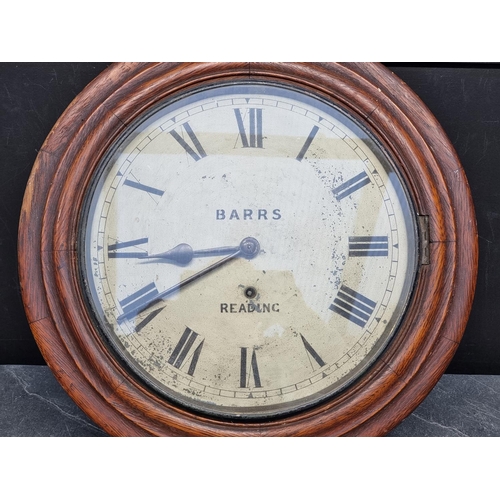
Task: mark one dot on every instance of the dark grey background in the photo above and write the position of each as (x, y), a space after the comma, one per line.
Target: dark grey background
(465, 98)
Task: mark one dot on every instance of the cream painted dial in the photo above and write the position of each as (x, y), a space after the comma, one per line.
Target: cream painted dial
(248, 249)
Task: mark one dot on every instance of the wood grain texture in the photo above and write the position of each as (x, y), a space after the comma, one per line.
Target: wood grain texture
(48, 249)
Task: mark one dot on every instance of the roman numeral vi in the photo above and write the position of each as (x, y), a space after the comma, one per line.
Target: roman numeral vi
(245, 372)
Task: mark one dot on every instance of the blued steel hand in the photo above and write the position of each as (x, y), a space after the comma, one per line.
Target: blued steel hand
(248, 248)
(183, 254)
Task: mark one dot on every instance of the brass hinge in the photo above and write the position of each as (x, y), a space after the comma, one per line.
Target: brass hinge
(423, 229)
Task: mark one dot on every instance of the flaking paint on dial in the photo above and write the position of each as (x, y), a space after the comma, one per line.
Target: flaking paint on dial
(334, 311)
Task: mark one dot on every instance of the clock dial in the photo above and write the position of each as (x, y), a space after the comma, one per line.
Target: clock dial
(248, 249)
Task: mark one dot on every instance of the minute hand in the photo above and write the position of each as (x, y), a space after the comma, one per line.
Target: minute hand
(248, 248)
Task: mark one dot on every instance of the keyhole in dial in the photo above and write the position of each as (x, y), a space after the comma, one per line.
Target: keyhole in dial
(250, 292)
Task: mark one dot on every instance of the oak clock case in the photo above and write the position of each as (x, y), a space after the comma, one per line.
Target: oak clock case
(276, 324)
(233, 249)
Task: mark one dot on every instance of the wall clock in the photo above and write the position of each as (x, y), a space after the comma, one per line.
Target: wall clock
(264, 249)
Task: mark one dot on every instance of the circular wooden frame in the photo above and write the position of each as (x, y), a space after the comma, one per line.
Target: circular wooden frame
(48, 255)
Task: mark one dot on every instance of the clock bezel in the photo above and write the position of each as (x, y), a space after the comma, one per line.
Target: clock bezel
(394, 385)
(228, 412)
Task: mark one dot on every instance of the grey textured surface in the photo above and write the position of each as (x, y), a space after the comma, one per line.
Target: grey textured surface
(459, 405)
(32, 403)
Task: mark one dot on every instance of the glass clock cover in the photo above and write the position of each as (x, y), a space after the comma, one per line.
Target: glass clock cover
(248, 249)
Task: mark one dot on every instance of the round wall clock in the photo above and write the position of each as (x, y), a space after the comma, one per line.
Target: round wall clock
(264, 249)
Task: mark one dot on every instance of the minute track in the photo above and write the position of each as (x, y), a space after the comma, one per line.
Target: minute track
(294, 273)
(368, 121)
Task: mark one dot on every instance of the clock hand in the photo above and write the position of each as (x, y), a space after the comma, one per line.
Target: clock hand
(184, 253)
(153, 300)
(248, 248)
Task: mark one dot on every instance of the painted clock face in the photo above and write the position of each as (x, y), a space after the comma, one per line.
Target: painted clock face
(248, 250)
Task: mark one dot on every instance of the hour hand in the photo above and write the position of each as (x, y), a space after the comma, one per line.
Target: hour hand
(183, 254)
(249, 248)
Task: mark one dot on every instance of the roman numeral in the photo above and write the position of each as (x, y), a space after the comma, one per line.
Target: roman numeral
(348, 187)
(253, 369)
(133, 304)
(312, 352)
(143, 187)
(368, 246)
(255, 128)
(113, 254)
(353, 306)
(183, 350)
(306, 145)
(150, 317)
(196, 155)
